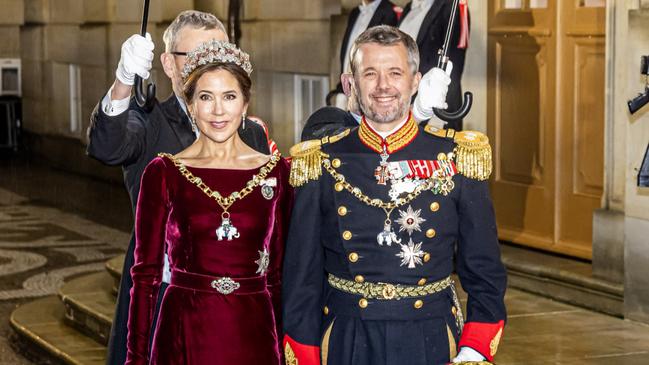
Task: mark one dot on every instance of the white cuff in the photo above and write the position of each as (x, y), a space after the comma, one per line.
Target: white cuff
(114, 107)
(468, 354)
(419, 113)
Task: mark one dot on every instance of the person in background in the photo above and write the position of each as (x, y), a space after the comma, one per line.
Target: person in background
(427, 21)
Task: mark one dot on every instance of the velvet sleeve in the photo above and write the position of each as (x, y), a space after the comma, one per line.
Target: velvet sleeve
(278, 241)
(150, 222)
(481, 272)
(303, 279)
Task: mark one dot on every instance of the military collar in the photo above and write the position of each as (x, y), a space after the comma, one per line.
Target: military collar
(394, 142)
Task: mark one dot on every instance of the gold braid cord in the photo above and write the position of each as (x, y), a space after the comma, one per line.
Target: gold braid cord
(306, 159)
(473, 155)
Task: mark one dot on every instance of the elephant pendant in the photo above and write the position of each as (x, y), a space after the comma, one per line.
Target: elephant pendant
(387, 236)
(226, 230)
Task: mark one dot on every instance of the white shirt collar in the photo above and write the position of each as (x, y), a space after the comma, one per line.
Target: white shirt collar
(183, 106)
(371, 7)
(418, 4)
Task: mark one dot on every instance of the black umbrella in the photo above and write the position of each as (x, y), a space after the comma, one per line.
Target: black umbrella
(442, 114)
(145, 99)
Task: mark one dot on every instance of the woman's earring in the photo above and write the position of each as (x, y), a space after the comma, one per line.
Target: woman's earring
(243, 121)
(193, 123)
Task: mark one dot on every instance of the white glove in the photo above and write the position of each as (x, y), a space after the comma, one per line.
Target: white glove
(468, 354)
(136, 59)
(433, 88)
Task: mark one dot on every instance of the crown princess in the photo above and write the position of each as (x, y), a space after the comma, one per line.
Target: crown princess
(216, 52)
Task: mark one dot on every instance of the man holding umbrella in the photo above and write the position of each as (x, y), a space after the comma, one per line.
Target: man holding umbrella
(125, 134)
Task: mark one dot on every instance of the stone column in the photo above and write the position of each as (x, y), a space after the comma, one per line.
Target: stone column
(636, 243)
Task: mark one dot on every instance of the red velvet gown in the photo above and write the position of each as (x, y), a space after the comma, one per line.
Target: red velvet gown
(198, 324)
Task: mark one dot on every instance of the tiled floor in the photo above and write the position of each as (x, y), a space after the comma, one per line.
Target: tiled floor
(539, 331)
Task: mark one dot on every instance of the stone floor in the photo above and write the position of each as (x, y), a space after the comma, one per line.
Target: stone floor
(55, 226)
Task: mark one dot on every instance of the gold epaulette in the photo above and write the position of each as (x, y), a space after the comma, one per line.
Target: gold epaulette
(472, 153)
(306, 159)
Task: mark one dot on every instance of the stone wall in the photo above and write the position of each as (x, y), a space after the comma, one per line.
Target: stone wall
(623, 223)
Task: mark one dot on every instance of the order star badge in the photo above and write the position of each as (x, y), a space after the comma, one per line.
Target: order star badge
(410, 220)
(262, 263)
(411, 254)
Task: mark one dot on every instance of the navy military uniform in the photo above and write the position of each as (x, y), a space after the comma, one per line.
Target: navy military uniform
(378, 227)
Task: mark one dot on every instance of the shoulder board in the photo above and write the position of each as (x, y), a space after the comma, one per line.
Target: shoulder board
(441, 133)
(472, 151)
(306, 158)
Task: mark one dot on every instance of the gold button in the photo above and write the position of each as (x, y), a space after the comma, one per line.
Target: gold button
(430, 233)
(353, 257)
(362, 303)
(418, 304)
(434, 206)
(421, 282)
(441, 156)
(347, 235)
(335, 163)
(359, 278)
(454, 310)
(339, 186)
(426, 257)
(342, 210)
(325, 310)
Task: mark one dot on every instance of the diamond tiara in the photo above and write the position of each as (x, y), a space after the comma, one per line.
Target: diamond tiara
(216, 52)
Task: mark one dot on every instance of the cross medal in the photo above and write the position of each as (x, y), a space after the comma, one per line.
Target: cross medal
(381, 173)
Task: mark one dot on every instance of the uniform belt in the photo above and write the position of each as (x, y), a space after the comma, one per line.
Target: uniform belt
(218, 284)
(387, 291)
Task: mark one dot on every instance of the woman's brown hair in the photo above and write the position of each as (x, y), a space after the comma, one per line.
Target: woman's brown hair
(189, 87)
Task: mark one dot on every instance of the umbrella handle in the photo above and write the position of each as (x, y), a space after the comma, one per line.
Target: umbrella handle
(447, 116)
(144, 98)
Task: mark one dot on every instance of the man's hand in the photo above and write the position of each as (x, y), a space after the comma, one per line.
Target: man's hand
(136, 59)
(433, 88)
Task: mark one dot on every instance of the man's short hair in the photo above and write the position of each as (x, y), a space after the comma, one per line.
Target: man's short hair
(387, 36)
(190, 18)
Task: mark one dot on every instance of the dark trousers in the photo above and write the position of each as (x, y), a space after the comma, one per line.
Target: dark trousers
(119, 330)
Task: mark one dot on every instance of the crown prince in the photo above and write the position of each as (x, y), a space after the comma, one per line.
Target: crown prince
(383, 214)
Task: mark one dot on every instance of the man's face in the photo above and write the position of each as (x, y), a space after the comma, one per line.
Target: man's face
(384, 83)
(188, 39)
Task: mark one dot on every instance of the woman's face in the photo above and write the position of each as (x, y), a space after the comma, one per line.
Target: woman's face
(218, 105)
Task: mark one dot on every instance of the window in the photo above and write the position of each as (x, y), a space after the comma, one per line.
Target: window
(75, 98)
(10, 76)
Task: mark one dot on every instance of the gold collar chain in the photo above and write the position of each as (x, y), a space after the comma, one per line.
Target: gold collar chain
(226, 202)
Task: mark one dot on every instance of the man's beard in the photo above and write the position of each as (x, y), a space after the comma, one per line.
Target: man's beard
(387, 116)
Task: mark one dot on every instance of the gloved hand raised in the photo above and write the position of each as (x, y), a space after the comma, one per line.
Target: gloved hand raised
(432, 91)
(136, 59)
